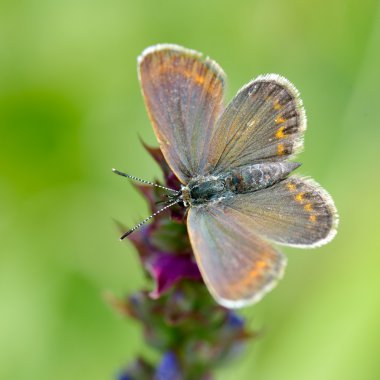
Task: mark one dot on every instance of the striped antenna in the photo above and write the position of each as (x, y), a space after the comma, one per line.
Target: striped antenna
(148, 218)
(143, 181)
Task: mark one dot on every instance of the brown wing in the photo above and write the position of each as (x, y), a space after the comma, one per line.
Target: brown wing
(237, 266)
(264, 122)
(295, 212)
(183, 94)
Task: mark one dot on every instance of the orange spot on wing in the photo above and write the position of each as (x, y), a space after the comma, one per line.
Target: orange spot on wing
(279, 120)
(191, 74)
(291, 186)
(277, 105)
(199, 79)
(280, 133)
(308, 207)
(299, 197)
(261, 264)
(249, 278)
(195, 75)
(280, 149)
(313, 218)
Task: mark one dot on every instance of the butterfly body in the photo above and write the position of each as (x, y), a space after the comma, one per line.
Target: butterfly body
(234, 164)
(250, 178)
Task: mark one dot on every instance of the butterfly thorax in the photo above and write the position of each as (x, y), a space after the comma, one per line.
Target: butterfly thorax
(214, 188)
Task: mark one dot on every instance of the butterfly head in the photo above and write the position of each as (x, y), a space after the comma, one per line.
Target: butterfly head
(185, 196)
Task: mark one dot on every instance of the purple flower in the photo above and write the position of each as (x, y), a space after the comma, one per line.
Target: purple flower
(168, 269)
(179, 317)
(168, 368)
(163, 245)
(235, 321)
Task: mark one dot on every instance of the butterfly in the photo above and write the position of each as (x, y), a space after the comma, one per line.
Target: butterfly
(235, 169)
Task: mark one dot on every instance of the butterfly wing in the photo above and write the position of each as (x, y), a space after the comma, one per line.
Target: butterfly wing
(236, 265)
(296, 212)
(183, 94)
(264, 122)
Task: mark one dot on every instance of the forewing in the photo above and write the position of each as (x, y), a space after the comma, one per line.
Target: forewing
(296, 212)
(236, 265)
(264, 122)
(183, 94)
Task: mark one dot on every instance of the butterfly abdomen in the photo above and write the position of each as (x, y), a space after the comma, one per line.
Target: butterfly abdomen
(238, 181)
(259, 176)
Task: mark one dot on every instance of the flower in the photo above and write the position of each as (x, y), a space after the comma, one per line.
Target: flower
(168, 368)
(179, 317)
(168, 269)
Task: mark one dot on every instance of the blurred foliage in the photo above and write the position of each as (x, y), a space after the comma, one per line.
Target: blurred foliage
(71, 109)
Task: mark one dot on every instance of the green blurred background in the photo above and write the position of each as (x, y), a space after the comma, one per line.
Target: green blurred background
(71, 109)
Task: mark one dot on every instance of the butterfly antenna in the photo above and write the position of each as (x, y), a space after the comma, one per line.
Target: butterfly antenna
(143, 181)
(147, 219)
